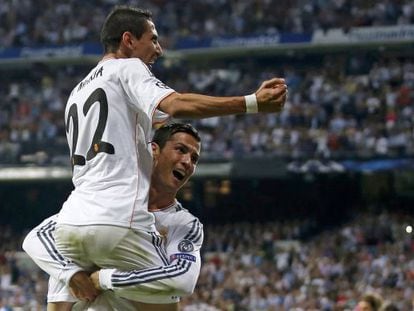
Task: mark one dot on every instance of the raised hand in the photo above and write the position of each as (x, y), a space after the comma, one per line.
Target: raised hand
(271, 95)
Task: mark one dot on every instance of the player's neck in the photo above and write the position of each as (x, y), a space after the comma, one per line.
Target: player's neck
(120, 53)
(160, 200)
(109, 56)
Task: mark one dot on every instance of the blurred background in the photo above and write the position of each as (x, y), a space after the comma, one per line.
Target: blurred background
(308, 209)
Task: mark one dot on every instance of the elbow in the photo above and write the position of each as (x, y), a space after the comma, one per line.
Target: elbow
(185, 290)
(168, 105)
(28, 246)
(184, 286)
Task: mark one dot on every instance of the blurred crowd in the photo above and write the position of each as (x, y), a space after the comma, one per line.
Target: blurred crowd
(23, 287)
(351, 109)
(28, 23)
(340, 106)
(270, 266)
(275, 266)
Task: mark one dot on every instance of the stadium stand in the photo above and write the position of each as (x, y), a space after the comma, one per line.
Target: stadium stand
(270, 266)
(333, 112)
(30, 23)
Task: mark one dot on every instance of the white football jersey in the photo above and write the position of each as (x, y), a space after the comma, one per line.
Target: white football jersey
(109, 117)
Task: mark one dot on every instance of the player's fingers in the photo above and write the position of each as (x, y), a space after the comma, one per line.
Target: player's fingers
(273, 82)
(280, 89)
(280, 98)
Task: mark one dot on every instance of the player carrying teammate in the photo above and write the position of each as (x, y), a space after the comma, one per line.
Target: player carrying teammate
(176, 148)
(105, 220)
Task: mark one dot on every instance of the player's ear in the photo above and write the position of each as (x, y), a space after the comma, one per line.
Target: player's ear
(127, 39)
(155, 148)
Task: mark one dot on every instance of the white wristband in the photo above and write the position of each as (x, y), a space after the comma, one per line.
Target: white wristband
(251, 103)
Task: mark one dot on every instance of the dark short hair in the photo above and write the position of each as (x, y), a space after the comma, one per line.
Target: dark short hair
(123, 18)
(164, 133)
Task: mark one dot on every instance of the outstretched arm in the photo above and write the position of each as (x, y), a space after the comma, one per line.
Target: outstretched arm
(270, 97)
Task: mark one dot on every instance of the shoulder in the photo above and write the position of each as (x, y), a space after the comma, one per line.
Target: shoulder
(183, 216)
(129, 63)
(179, 219)
(129, 69)
(189, 227)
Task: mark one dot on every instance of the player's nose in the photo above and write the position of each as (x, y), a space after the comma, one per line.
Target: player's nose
(186, 160)
(159, 50)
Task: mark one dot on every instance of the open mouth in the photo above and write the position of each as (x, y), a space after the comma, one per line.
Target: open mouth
(178, 175)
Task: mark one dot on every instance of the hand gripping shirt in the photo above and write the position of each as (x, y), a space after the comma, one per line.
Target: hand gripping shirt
(109, 117)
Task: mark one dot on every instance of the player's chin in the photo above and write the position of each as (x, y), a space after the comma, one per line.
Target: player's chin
(178, 182)
(175, 180)
(152, 61)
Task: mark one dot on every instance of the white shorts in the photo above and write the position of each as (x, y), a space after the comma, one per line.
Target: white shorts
(40, 244)
(106, 246)
(58, 291)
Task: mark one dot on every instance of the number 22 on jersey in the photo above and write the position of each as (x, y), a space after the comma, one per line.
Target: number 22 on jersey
(96, 145)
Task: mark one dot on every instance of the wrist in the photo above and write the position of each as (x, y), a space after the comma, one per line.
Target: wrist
(251, 103)
(105, 278)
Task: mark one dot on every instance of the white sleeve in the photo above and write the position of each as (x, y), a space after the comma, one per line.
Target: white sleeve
(144, 90)
(160, 118)
(40, 245)
(179, 278)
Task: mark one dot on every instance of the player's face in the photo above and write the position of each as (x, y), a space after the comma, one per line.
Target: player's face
(176, 162)
(147, 48)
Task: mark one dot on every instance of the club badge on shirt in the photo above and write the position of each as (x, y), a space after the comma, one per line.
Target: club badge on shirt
(185, 246)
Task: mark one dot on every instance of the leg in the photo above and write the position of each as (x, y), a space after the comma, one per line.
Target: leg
(40, 245)
(59, 297)
(60, 306)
